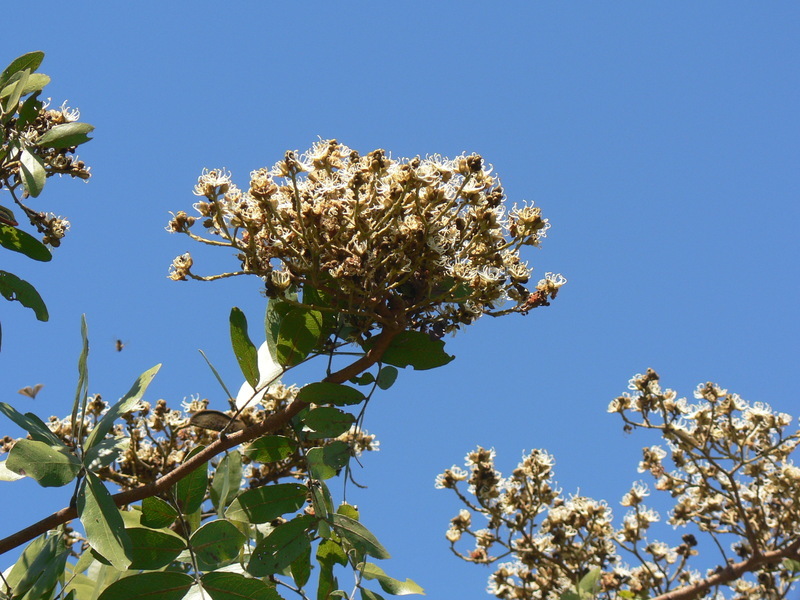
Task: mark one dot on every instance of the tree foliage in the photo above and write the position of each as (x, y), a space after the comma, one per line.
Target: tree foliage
(367, 262)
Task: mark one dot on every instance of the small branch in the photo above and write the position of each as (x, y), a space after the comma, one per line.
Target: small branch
(272, 423)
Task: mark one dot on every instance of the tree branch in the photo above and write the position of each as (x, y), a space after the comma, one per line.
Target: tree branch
(730, 573)
(272, 423)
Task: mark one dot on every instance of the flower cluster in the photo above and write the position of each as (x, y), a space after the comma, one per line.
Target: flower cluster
(731, 478)
(425, 243)
(24, 130)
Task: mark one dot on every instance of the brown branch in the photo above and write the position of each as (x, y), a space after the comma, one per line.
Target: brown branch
(272, 423)
(731, 573)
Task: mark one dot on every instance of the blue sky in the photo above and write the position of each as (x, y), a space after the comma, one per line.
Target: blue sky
(660, 139)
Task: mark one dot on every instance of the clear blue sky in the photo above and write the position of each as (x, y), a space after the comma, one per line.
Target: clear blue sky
(661, 139)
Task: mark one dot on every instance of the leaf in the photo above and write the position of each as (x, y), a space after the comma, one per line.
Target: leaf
(281, 547)
(32, 171)
(235, 586)
(41, 555)
(7, 474)
(227, 480)
(324, 462)
(329, 553)
(370, 595)
(164, 585)
(292, 332)
(301, 568)
(269, 374)
(388, 584)
(415, 349)
(263, 504)
(358, 536)
(20, 241)
(65, 135)
(48, 466)
(270, 448)
(191, 490)
(105, 529)
(320, 499)
(243, 348)
(14, 288)
(386, 377)
(129, 402)
(29, 61)
(157, 513)
(217, 544)
(151, 549)
(587, 586)
(329, 393)
(34, 82)
(28, 113)
(32, 424)
(104, 453)
(216, 374)
(14, 91)
(327, 422)
(83, 383)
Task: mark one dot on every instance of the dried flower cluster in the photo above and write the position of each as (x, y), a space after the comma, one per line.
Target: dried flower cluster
(732, 480)
(24, 130)
(375, 237)
(156, 439)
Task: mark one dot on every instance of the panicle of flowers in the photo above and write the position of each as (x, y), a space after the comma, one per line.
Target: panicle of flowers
(726, 463)
(424, 240)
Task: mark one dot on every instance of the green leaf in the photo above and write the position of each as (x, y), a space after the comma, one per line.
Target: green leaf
(235, 586)
(363, 379)
(7, 474)
(217, 544)
(281, 547)
(358, 536)
(164, 585)
(227, 480)
(326, 461)
(29, 61)
(263, 504)
(129, 402)
(105, 529)
(104, 453)
(191, 490)
(38, 561)
(791, 565)
(14, 91)
(292, 332)
(329, 553)
(320, 498)
(29, 111)
(49, 466)
(33, 173)
(83, 382)
(329, 393)
(14, 288)
(150, 549)
(370, 595)
(157, 513)
(388, 584)
(270, 448)
(32, 424)
(216, 374)
(327, 422)
(23, 84)
(245, 351)
(386, 377)
(17, 240)
(65, 135)
(301, 568)
(588, 584)
(415, 349)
